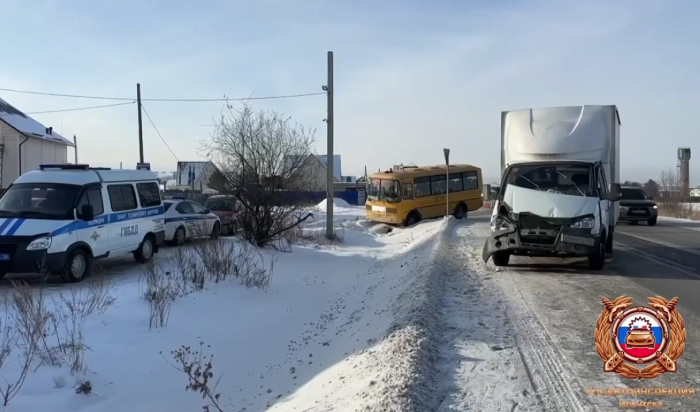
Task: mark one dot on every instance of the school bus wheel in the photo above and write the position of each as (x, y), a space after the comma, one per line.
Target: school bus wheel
(461, 211)
(412, 218)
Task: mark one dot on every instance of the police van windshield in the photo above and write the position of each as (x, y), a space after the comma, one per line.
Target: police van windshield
(39, 201)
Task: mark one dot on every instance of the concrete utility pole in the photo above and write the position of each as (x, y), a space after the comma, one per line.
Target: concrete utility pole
(75, 147)
(330, 176)
(138, 101)
(447, 176)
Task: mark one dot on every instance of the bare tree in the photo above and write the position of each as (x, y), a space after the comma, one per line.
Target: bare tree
(672, 200)
(262, 157)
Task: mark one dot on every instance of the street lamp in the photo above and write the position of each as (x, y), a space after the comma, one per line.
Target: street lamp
(446, 152)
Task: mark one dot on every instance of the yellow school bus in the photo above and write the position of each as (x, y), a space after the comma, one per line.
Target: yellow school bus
(413, 193)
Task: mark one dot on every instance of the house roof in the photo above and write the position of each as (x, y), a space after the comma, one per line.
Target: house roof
(28, 126)
(183, 168)
(336, 164)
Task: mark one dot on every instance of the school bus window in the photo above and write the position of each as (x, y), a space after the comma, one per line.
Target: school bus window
(408, 191)
(384, 189)
(438, 184)
(422, 186)
(470, 180)
(390, 190)
(455, 182)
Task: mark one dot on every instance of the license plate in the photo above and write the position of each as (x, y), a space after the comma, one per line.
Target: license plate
(639, 212)
(577, 240)
(380, 209)
(4, 256)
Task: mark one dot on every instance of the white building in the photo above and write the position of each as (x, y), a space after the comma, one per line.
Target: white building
(193, 175)
(25, 144)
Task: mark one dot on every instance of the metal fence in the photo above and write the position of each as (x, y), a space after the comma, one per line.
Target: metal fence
(353, 197)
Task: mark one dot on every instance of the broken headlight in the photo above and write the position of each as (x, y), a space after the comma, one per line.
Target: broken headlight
(498, 223)
(585, 223)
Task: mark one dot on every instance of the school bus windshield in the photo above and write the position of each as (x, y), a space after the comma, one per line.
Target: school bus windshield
(384, 189)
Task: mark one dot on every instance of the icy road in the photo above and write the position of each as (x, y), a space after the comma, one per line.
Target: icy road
(521, 338)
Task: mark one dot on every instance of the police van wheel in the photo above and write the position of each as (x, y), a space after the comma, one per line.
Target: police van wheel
(77, 266)
(145, 252)
(215, 231)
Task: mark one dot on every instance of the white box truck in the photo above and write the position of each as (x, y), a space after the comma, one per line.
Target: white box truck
(560, 183)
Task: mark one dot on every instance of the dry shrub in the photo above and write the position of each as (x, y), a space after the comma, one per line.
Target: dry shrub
(160, 294)
(199, 370)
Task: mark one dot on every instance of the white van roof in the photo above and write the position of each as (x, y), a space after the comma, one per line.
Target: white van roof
(84, 174)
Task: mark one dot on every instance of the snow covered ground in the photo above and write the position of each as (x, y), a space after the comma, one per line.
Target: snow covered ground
(336, 329)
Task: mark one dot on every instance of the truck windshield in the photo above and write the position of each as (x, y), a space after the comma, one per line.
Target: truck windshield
(384, 189)
(633, 194)
(568, 179)
(39, 201)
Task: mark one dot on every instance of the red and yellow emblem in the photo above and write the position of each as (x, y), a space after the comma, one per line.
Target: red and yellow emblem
(652, 337)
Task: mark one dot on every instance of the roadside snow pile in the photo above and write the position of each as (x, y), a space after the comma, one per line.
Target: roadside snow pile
(337, 203)
(339, 327)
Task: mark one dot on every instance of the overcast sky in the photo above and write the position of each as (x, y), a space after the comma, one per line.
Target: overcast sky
(411, 76)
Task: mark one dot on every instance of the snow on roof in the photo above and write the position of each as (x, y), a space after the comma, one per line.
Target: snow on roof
(28, 126)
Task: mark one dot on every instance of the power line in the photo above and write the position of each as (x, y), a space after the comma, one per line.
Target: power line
(83, 108)
(223, 99)
(161, 136)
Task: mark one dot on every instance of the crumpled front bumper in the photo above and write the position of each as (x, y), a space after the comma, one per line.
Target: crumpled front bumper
(569, 242)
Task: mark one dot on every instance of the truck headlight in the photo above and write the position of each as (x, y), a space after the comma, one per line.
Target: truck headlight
(585, 223)
(497, 223)
(41, 243)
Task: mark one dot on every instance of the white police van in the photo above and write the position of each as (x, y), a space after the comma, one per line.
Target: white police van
(62, 217)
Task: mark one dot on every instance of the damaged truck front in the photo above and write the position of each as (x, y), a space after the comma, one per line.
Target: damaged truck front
(559, 187)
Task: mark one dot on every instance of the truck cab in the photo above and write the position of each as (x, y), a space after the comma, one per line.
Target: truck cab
(559, 185)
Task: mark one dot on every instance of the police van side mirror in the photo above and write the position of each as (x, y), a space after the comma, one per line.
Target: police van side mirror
(87, 213)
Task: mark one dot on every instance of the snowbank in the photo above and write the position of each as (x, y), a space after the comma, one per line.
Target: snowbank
(339, 328)
(337, 203)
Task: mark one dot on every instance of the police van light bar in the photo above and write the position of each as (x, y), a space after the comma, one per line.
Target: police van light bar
(65, 167)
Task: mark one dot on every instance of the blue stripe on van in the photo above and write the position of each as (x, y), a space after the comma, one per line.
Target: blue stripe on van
(14, 227)
(181, 219)
(110, 218)
(5, 224)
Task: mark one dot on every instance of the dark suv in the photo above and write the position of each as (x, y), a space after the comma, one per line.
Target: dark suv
(636, 206)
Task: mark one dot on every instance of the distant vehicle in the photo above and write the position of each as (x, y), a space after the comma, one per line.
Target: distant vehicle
(186, 220)
(636, 206)
(560, 184)
(228, 211)
(63, 217)
(409, 195)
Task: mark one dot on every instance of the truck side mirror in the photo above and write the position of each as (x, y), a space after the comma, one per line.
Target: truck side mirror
(87, 213)
(615, 192)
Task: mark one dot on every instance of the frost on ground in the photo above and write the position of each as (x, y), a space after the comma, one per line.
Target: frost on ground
(338, 328)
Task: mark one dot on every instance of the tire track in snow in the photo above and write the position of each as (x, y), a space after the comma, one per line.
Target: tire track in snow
(551, 376)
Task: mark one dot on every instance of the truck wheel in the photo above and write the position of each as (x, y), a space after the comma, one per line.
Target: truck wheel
(77, 266)
(652, 221)
(461, 211)
(145, 252)
(501, 258)
(596, 261)
(609, 244)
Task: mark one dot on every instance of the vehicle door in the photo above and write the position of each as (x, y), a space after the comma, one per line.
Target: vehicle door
(602, 193)
(95, 232)
(188, 218)
(124, 233)
(203, 221)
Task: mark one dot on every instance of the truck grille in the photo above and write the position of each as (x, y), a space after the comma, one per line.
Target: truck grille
(529, 221)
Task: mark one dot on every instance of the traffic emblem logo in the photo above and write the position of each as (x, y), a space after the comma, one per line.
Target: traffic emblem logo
(653, 337)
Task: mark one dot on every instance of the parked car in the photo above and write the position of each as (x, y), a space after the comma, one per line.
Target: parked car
(636, 206)
(185, 220)
(226, 208)
(61, 218)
